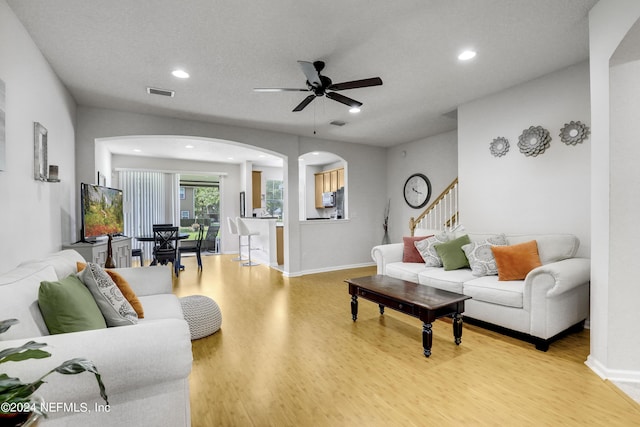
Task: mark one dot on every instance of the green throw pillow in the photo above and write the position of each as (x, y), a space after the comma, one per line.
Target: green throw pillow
(68, 306)
(453, 257)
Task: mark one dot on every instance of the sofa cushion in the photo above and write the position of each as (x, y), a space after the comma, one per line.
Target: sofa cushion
(19, 289)
(114, 307)
(451, 281)
(451, 253)
(492, 290)
(409, 251)
(551, 247)
(480, 256)
(63, 262)
(124, 287)
(162, 306)
(428, 251)
(405, 270)
(516, 261)
(68, 306)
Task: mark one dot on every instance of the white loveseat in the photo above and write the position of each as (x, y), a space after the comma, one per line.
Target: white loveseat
(552, 299)
(145, 367)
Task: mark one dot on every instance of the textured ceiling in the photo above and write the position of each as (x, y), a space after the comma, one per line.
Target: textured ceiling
(108, 52)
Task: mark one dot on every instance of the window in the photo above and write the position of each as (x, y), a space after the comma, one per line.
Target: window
(184, 214)
(275, 197)
(183, 194)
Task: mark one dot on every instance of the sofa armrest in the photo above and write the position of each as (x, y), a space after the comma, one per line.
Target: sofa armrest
(385, 254)
(127, 357)
(567, 274)
(148, 280)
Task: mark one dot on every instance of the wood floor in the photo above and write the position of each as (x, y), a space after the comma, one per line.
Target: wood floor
(288, 354)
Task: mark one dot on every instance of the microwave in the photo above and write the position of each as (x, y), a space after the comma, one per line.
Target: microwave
(329, 199)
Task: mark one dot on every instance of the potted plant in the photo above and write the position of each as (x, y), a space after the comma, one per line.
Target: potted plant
(18, 406)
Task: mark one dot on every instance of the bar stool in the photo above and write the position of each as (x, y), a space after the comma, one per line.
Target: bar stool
(243, 230)
(233, 230)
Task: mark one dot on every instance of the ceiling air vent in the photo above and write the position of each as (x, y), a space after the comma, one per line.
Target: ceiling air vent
(163, 92)
(337, 123)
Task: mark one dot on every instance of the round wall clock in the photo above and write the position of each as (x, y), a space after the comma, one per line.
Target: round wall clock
(417, 190)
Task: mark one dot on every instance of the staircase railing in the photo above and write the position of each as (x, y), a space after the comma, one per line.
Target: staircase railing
(441, 213)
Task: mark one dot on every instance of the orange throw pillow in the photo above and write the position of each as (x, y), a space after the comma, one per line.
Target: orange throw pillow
(516, 261)
(124, 287)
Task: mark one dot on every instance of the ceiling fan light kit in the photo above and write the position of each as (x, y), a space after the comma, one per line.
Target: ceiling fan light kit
(321, 85)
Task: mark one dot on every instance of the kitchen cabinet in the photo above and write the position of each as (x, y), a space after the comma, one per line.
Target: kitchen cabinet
(280, 244)
(256, 184)
(319, 189)
(326, 181)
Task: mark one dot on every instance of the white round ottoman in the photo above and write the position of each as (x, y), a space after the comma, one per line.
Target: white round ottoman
(202, 314)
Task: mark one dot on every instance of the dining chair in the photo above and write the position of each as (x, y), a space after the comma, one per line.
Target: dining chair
(243, 230)
(197, 249)
(165, 246)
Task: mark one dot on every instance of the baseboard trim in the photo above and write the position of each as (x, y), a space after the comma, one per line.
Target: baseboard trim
(327, 269)
(605, 373)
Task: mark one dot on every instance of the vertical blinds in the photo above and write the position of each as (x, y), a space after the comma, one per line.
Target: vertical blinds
(149, 198)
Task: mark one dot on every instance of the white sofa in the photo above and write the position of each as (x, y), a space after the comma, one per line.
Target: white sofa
(552, 300)
(145, 367)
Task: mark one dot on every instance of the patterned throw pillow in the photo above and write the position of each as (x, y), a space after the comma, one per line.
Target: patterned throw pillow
(480, 256)
(114, 307)
(428, 251)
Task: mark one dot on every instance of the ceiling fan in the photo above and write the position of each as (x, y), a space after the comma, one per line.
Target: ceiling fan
(322, 85)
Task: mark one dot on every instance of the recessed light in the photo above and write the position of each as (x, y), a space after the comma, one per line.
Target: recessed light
(315, 153)
(181, 74)
(354, 110)
(466, 55)
(137, 150)
(229, 158)
(188, 146)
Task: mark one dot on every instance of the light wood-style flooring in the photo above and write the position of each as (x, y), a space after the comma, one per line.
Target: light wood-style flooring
(288, 354)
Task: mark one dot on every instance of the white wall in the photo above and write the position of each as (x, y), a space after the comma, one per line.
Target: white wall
(348, 243)
(304, 251)
(36, 217)
(613, 354)
(624, 327)
(436, 157)
(519, 194)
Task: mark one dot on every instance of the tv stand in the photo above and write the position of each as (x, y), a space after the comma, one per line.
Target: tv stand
(96, 251)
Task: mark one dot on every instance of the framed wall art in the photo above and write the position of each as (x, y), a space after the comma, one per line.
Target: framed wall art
(40, 165)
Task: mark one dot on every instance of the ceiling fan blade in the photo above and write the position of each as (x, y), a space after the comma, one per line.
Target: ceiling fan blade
(304, 103)
(374, 81)
(343, 99)
(310, 73)
(279, 89)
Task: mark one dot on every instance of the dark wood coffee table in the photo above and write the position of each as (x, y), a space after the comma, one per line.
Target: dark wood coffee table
(421, 301)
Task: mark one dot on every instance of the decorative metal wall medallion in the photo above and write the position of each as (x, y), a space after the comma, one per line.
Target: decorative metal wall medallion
(574, 132)
(499, 147)
(534, 141)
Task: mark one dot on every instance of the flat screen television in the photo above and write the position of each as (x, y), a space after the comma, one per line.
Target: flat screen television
(102, 212)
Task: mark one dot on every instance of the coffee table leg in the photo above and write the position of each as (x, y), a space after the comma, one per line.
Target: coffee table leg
(427, 338)
(457, 328)
(381, 309)
(354, 307)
